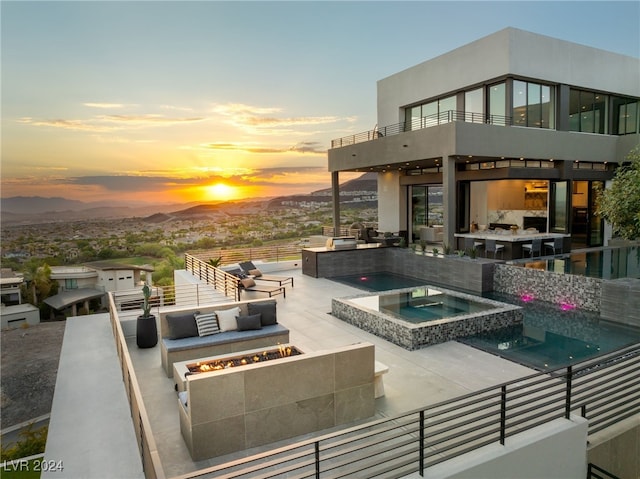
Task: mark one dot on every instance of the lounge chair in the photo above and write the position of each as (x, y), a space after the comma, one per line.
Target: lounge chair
(248, 284)
(249, 268)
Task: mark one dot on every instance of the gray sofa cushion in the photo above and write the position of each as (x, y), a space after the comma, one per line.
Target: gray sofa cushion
(172, 345)
(249, 322)
(182, 325)
(266, 309)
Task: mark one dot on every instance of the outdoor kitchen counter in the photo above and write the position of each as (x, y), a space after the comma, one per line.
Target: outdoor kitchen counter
(513, 242)
(322, 262)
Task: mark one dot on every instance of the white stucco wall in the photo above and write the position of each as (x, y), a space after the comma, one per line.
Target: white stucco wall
(508, 51)
(389, 202)
(555, 450)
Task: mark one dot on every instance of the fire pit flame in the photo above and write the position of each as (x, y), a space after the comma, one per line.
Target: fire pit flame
(218, 364)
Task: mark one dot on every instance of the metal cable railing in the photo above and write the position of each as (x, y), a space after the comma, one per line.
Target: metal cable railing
(428, 121)
(270, 253)
(605, 390)
(222, 281)
(595, 472)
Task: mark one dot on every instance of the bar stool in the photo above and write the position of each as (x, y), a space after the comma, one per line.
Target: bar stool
(534, 247)
(470, 243)
(555, 245)
(491, 246)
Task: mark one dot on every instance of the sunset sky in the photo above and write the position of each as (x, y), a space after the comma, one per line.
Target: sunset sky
(158, 101)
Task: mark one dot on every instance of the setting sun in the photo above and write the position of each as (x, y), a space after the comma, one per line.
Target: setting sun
(221, 191)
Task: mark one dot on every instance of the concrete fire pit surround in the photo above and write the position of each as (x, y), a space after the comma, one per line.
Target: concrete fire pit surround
(240, 408)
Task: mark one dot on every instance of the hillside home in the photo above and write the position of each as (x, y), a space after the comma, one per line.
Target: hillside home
(515, 128)
(78, 285)
(13, 312)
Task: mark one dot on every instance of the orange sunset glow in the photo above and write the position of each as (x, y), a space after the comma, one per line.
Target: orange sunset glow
(221, 192)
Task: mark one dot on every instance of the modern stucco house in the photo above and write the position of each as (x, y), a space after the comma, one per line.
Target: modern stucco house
(514, 128)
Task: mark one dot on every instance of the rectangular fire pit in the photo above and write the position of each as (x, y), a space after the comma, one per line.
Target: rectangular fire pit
(218, 363)
(253, 404)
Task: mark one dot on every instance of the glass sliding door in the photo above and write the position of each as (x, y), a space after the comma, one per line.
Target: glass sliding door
(596, 224)
(559, 207)
(418, 210)
(426, 208)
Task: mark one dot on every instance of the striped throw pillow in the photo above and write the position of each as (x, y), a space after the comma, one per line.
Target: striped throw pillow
(207, 324)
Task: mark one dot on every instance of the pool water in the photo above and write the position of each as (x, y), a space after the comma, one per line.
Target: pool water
(549, 336)
(421, 304)
(379, 281)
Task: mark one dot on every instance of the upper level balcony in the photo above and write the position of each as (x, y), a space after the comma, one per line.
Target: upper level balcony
(436, 119)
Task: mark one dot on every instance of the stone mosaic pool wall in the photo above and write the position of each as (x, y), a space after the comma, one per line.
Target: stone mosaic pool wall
(568, 289)
(414, 336)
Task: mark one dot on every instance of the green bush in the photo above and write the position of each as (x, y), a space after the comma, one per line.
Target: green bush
(31, 442)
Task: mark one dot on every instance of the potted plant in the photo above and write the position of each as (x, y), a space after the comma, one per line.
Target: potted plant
(146, 328)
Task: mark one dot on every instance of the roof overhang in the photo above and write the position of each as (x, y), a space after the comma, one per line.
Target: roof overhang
(65, 299)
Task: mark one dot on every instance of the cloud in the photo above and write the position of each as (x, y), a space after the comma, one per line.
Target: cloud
(108, 123)
(77, 125)
(250, 117)
(312, 147)
(147, 119)
(104, 105)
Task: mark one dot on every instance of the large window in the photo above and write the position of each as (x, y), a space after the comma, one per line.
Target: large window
(497, 104)
(625, 118)
(431, 114)
(473, 108)
(587, 111)
(533, 105)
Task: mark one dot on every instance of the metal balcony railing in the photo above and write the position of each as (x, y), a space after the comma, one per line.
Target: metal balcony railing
(271, 253)
(605, 390)
(428, 121)
(223, 282)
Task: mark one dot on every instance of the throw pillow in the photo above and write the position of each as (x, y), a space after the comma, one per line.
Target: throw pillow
(255, 272)
(182, 325)
(207, 324)
(227, 319)
(246, 323)
(248, 282)
(267, 310)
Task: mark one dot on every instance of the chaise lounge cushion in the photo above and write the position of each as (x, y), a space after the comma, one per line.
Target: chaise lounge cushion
(249, 322)
(267, 311)
(182, 325)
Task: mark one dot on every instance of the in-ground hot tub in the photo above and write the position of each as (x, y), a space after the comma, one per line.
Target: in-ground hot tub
(425, 315)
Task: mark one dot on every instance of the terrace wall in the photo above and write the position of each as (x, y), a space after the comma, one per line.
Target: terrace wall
(579, 291)
(475, 275)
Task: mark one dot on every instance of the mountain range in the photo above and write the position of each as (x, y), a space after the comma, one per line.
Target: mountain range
(35, 209)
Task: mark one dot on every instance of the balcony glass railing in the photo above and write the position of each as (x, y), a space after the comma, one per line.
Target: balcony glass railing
(441, 118)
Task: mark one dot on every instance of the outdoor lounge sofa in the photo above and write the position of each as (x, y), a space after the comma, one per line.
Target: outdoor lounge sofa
(182, 337)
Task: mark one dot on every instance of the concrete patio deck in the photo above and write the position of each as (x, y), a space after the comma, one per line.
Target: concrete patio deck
(415, 378)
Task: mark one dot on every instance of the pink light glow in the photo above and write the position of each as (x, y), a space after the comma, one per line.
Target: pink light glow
(526, 297)
(363, 278)
(567, 306)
